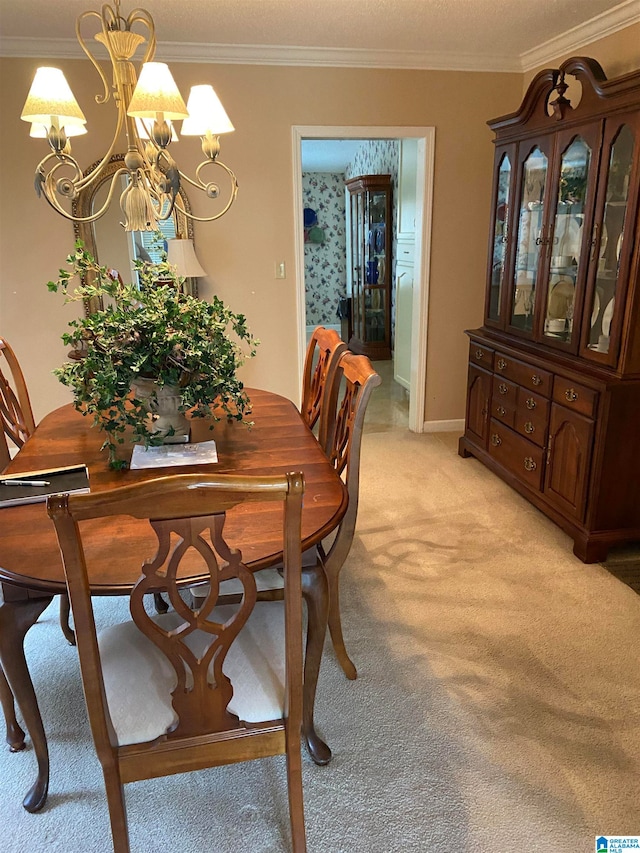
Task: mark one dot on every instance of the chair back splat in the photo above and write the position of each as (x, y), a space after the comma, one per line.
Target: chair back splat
(340, 436)
(214, 684)
(323, 353)
(16, 416)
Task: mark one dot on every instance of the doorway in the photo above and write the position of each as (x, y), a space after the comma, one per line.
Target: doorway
(423, 213)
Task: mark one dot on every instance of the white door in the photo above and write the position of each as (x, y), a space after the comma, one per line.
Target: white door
(405, 267)
(404, 312)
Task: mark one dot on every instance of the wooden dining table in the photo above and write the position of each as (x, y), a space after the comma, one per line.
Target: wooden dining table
(31, 571)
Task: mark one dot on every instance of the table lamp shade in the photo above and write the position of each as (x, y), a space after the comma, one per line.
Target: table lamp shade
(182, 255)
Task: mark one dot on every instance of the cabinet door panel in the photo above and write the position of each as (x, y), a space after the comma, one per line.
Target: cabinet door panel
(567, 248)
(612, 239)
(532, 218)
(499, 244)
(478, 401)
(370, 246)
(568, 460)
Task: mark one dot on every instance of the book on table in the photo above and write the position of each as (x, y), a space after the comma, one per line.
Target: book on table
(35, 486)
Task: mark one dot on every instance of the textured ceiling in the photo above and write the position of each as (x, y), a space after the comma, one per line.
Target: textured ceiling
(482, 28)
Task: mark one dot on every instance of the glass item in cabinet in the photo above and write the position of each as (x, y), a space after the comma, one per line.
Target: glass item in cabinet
(529, 239)
(610, 239)
(500, 238)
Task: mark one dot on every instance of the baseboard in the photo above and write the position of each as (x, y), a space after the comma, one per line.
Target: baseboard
(444, 426)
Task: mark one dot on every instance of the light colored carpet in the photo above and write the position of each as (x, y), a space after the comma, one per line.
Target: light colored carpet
(497, 705)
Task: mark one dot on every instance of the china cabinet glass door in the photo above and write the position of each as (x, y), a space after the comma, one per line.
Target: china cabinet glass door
(370, 210)
(529, 240)
(498, 251)
(566, 257)
(610, 251)
(375, 268)
(357, 256)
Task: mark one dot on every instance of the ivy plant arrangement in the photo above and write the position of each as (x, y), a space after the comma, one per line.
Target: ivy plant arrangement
(152, 330)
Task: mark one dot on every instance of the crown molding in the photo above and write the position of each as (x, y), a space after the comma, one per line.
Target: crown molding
(623, 15)
(249, 54)
(337, 57)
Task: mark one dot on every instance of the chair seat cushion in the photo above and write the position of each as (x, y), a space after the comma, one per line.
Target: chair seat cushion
(139, 679)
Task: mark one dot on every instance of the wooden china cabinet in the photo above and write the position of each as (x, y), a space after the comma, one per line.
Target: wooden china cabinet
(370, 264)
(553, 398)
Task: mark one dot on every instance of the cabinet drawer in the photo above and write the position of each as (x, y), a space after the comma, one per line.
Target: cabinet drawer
(516, 454)
(532, 426)
(533, 404)
(505, 391)
(574, 396)
(503, 410)
(479, 354)
(406, 251)
(530, 377)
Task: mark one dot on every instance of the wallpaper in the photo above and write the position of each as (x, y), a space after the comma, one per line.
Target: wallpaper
(325, 263)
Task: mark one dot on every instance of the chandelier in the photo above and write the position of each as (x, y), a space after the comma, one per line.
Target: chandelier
(147, 107)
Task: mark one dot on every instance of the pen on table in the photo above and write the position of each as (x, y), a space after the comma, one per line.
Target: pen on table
(25, 482)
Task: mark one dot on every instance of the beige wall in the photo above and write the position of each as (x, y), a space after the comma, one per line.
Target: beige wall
(240, 251)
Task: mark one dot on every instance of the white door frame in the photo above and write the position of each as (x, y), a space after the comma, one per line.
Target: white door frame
(424, 206)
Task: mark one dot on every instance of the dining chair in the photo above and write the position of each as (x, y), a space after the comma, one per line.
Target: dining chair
(212, 686)
(323, 353)
(18, 424)
(340, 436)
(16, 414)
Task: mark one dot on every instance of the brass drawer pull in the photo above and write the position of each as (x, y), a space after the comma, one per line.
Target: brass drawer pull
(479, 353)
(501, 364)
(537, 380)
(501, 411)
(530, 403)
(529, 464)
(502, 388)
(496, 440)
(571, 395)
(529, 427)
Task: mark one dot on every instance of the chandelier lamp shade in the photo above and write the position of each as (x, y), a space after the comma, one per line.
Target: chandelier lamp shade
(148, 105)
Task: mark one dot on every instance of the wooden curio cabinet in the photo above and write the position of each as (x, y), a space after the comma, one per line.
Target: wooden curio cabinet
(559, 350)
(370, 264)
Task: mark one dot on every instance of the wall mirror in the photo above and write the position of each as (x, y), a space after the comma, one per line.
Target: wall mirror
(107, 240)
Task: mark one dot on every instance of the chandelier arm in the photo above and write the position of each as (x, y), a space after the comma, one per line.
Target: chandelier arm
(96, 172)
(199, 184)
(49, 193)
(232, 198)
(100, 99)
(142, 16)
